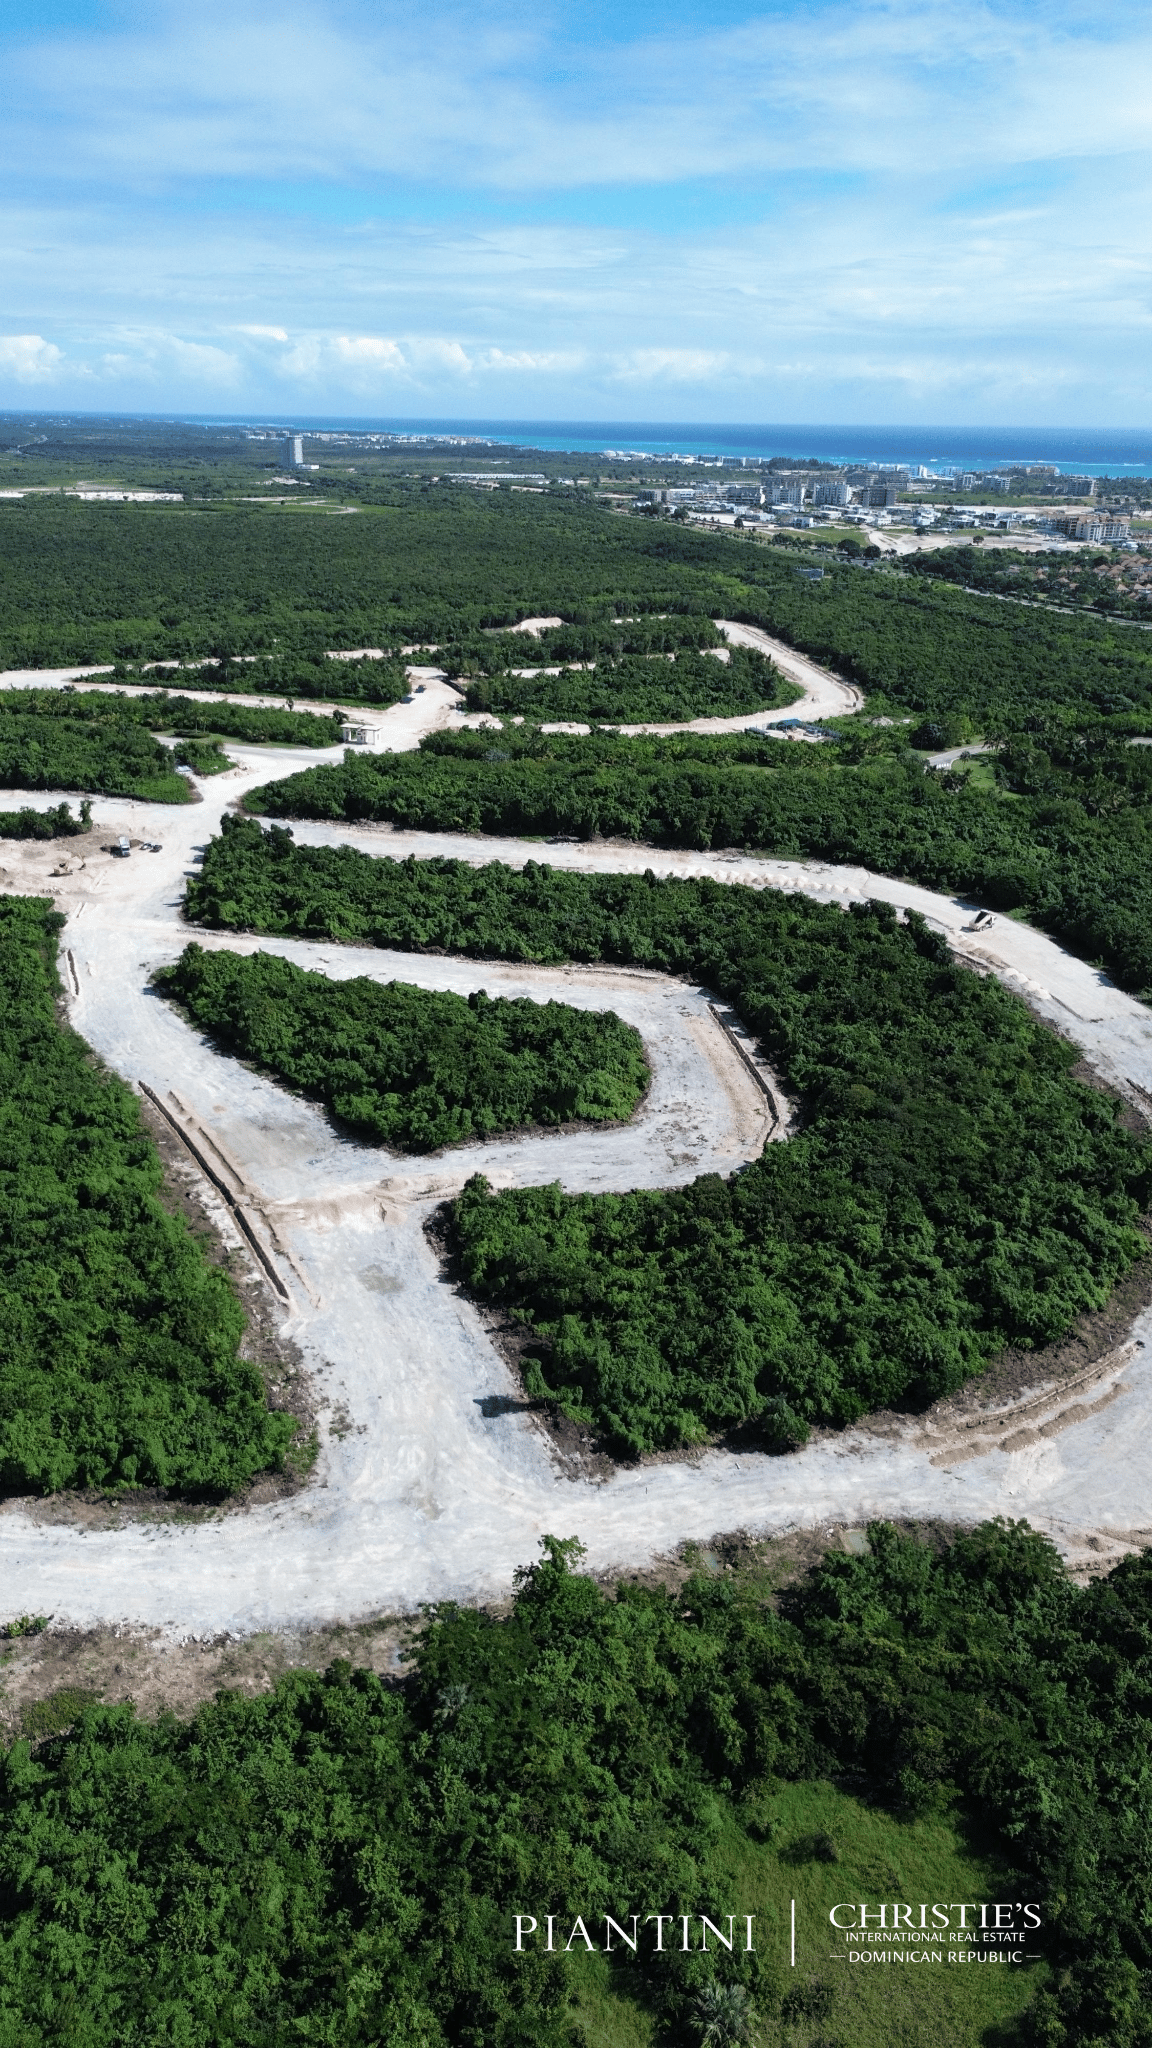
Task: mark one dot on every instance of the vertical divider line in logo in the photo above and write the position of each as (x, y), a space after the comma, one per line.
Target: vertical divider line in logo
(793, 1934)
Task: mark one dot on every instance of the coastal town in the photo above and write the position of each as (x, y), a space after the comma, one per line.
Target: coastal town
(1031, 503)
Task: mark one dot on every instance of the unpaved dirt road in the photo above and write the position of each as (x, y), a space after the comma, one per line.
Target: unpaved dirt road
(824, 695)
(432, 1481)
(433, 703)
(436, 704)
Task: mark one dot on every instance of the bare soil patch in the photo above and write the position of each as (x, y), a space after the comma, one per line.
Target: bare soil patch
(46, 1679)
(775, 1562)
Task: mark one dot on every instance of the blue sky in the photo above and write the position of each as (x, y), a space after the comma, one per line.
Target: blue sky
(881, 210)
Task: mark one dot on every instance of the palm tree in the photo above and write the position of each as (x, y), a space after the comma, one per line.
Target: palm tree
(723, 2015)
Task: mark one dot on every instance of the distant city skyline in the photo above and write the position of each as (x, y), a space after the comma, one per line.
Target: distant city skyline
(892, 213)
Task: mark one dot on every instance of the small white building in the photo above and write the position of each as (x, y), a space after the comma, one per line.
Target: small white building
(357, 735)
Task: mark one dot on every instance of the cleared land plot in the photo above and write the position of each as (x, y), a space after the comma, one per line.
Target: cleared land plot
(432, 1481)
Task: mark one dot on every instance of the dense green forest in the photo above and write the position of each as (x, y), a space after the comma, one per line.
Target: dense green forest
(86, 582)
(1059, 830)
(203, 756)
(185, 717)
(408, 1067)
(118, 1360)
(1116, 584)
(112, 757)
(655, 688)
(928, 647)
(604, 639)
(340, 1861)
(104, 742)
(949, 1188)
(303, 672)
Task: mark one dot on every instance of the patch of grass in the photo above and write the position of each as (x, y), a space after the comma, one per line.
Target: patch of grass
(778, 1847)
(879, 1857)
(979, 772)
(602, 2011)
(302, 1454)
(53, 1715)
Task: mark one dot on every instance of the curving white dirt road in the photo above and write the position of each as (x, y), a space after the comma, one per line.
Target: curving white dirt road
(825, 695)
(437, 704)
(406, 724)
(433, 1482)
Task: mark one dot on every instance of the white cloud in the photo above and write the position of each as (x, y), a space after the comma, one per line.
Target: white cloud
(832, 312)
(157, 361)
(438, 355)
(773, 376)
(915, 186)
(321, 91)
(678, 366)
(362, 365)
(29, 359)
(547, 362)
(202, 363)
(368, 351)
